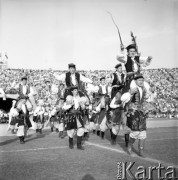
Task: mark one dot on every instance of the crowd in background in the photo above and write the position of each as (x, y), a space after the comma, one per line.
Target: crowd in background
(164, 83)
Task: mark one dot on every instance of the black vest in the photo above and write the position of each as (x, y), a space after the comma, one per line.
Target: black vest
(129, 64)
(116, 79)
(69, 81)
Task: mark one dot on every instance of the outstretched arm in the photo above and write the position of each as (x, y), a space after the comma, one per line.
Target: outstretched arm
(121, 57)
(85, 80)
(60, 77)
(146, 61)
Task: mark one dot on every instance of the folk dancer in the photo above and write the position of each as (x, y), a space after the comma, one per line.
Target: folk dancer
(38, 116)
(118, 115)
(136, 119)
(71, 78)
(103, 109)
(75, 124)
(132, 62)
(118, 79)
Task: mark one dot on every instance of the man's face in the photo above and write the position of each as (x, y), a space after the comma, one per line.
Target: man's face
(132, 52)
(103, 81)
(24, 81)
(139, 82)
(75, 92)
(119, 69)
(72, 70)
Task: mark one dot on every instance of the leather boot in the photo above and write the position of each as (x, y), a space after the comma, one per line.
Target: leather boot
(79, 143)
(71, 146)
(126, 140)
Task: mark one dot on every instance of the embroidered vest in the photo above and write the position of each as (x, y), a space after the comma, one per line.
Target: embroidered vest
(69, 81)
(116, 79)
(129, 65)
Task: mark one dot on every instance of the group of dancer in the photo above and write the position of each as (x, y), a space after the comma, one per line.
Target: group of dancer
(79, 111)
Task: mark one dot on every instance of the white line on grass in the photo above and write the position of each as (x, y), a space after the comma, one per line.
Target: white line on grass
(37, 149)
(123, 152)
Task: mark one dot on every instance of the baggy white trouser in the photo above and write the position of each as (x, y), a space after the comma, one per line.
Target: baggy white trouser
(61, 127)
(102, 127)
(80, 130)
(21, 131)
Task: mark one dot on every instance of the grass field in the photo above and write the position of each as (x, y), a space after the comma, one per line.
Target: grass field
(46, 156)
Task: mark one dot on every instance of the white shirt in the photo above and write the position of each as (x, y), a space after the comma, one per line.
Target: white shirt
(103, 89)
(141, 92)
(113, 105)
(122, 57)
(62, 77)
(24, 87)
(92, 88)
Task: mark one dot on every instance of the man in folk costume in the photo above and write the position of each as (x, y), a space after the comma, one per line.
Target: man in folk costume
(54, 122)
(133, 62)
(38, 116)
(118, 116)
(136, 119)
(25, 96)
(61, 118)
(71, 78)
(102, 108)
(61, 91)
(103, 90)
(118, 79)
(75, 124)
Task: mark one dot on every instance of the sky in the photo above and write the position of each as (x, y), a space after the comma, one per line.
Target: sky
(43, 34)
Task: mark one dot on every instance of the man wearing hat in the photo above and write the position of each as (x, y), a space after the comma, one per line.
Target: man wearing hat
(25, 92)
(74, 107)
(72, 78)
(132, 62)
(118, 80)
(136, 119)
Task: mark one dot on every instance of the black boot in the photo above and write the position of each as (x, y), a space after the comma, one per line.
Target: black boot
(111, 134)
(94, 131)
(71, 146)
(57, 130)
(40, 131)
(37, 130)
(62, 135)
(52, 129)
(98, 133)
(79, 143)
(114, 137)
(102, 135)
(86, 136)
(126, 140)
(21, 140)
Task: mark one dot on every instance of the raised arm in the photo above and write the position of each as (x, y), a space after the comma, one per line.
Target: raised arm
(145, 61)
(60, 77)
(85, 80)
(122, 57)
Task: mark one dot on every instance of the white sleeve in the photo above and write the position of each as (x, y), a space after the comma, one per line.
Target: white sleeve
(2, 91)
(112, 104)
(66, 107)
(145, 61)
(32, 92)
(61, 77)
(84, 79)
(122, 57)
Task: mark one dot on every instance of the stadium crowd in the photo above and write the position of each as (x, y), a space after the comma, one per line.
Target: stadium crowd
(164, 83)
